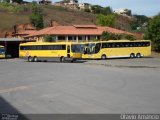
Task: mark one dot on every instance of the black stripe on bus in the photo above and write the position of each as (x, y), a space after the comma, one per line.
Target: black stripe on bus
(43, 47)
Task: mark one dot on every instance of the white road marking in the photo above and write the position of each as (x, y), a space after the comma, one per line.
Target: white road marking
(14, 89)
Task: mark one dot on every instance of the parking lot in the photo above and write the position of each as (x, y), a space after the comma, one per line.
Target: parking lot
(91, 86)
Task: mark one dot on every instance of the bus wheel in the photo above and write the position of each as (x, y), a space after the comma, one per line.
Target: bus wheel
(62, 59)
(138, 55)
(35, 59)
(132, 55)
(73, 60)
(103, 57)
(30, 59)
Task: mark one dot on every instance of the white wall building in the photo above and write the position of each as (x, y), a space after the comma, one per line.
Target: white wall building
(84, 6)
(123, 11)
(72, 2)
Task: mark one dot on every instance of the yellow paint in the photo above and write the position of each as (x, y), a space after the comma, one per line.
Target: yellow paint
(118, 52)
(2, 55)
(48, 53)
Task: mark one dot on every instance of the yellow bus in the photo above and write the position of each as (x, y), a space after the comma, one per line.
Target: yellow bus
(47, 51)
(2, 51)
(116, 48)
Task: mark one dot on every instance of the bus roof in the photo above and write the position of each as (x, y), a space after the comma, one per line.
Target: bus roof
(126, 41)
(47, 43)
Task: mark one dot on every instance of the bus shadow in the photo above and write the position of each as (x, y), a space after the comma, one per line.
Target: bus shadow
(124, 58)
(8, 112)
(78, 61)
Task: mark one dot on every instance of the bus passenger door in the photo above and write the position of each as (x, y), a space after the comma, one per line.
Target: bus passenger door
(68, 51)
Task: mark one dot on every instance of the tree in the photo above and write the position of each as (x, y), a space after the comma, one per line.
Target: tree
(106, 11)
(113, 36)
(96, 9)
(108, 20)
(36, 17)
(49, 38)
(87, 10)
(110, 36)
(153, 32)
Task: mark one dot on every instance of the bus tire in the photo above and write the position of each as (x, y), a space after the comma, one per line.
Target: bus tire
(132, 55)
(138, 55)
(103, 57)
(35, 59)
(30, 59)
(62, 59)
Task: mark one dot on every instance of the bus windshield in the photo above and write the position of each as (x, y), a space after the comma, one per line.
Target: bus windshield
(2, 51)
(92, 48)
(77, 48)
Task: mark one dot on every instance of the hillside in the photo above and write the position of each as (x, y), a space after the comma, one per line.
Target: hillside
(19, 14)
(16, 14)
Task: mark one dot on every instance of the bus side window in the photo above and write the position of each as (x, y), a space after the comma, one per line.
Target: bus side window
(131, 44)
(126, 44)
(113, 45)
(139, 44)
(63, 47)
(104, 45)
(122, 44)
(44, 47)
(147, 44)
(109, 45)
(117, 44)
(39, 47)
(135, 44)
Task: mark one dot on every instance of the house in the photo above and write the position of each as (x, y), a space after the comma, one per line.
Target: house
(83, 6)
(72, 4)
(123, 12)
(22, 30)
(73, 33)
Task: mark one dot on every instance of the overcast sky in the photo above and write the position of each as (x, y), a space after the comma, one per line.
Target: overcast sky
(141, 7)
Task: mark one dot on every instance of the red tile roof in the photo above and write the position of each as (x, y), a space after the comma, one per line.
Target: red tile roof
(76, 30)
(27, 32)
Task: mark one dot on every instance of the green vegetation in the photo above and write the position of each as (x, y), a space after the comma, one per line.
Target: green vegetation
(96, 9)
(108, 20)
(36, 17)
(139, 22)
(105, 16)
(14, 8)
(13, 14)
(49, 38)
(112, 36)
(153, 32)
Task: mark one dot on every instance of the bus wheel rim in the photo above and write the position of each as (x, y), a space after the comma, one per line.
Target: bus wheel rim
(103, 57)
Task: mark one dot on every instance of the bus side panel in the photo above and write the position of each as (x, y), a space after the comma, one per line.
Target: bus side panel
(121, 52)
(43, 53)
(2, 56)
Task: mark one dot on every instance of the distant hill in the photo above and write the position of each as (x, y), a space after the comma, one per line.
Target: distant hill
(13, 14)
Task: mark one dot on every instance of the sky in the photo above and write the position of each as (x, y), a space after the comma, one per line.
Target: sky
(140, 7)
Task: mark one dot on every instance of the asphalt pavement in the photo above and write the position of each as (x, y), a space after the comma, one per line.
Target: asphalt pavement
(88, 86)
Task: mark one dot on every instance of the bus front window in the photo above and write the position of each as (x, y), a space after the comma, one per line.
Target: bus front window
(90, 48)
(77, 48)
(2, 51)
